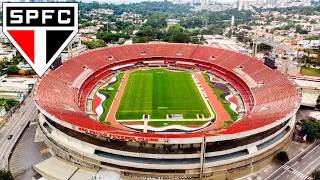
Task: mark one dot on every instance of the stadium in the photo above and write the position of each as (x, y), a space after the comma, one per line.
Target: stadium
(167, 111)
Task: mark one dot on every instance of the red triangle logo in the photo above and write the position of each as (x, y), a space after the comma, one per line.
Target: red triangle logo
(25, 39)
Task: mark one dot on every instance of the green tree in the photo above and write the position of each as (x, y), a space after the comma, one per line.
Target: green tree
(112, 37)
(17, 59)
(175, 29)
(29, 72)
(176, 34)
(247, 27)
(138, 39)
(5, 175)
(283, 156)
(308, 51)
(95, 44)
(157, 20)
(13, 69)
(316, 175)
(195, 40)
(318, 103)
(312, 129)
(313, 21)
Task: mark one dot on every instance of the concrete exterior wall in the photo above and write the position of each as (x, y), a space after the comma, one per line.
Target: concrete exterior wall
(228, 170)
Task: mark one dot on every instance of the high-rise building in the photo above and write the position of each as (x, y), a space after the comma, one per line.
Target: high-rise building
(232, 20)
(239, 5)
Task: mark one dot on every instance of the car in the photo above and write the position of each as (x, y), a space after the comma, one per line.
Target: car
(10, 136)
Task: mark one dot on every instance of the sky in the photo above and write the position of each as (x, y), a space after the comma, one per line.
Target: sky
(134, 1)
(117, 1)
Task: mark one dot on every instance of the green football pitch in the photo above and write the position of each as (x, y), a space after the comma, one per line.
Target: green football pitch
(158, 92)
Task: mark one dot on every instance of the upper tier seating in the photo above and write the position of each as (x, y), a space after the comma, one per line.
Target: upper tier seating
(127, 52)
(207, 53)
(95, 59)
(161, 50)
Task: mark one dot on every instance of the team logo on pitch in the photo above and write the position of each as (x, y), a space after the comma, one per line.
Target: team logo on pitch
(40, 31)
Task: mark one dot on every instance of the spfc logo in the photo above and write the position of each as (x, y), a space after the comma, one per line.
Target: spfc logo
(40, 31)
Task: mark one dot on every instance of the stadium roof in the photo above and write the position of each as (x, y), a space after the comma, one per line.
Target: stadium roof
(63, 170)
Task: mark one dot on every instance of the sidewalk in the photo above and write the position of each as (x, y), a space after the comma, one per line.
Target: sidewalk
(294, 149)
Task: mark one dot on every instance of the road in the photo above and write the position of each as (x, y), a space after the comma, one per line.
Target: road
(299, 167)
(15, 126)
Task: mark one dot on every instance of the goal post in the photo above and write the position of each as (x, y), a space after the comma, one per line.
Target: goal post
(162, 108)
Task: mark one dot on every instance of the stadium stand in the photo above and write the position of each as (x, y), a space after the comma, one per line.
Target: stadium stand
(275, 86)
(269, 108)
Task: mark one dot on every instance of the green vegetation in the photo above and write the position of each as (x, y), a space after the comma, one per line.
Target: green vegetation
(159, 92)
(8, 103)
(316, 175)
(175, 33)
(112, 93)
(312, 129)
(317, 37)
(225, 103)
(206, 76)
(144, 8)
(306, 71)
(29, 72)
(11, 64)
(13, 69)
(5, 175)
(183, 123)
(283, 156)
(318, 102)
(112, 37)
(95, 44)
(225, 124)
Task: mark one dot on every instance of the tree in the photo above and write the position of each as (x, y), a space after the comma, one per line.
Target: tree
(95, 44)
(138, 39)
(157, 20)
(112, 37)
(17, 59)
(176, 34)
(300, 30)
(311, 128)
(5, 175)
(316, 175)
(175, 29)
(247, 27)
(313, 21)
(29, 72)
(283, 156)
(195, 40)
(318, 103)
(13, 69)
(308, 51)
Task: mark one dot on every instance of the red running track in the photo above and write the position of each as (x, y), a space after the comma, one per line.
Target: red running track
(111, 117)
(221, 113)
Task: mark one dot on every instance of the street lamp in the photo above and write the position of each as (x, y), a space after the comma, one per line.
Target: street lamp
(4, 161)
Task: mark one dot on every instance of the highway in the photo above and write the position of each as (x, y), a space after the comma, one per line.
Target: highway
(14, 127)
(299, 167)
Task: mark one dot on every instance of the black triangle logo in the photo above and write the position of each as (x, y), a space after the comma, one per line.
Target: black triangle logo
(55, 39)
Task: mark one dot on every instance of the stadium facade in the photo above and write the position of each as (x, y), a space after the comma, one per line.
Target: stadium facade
(268, 104)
